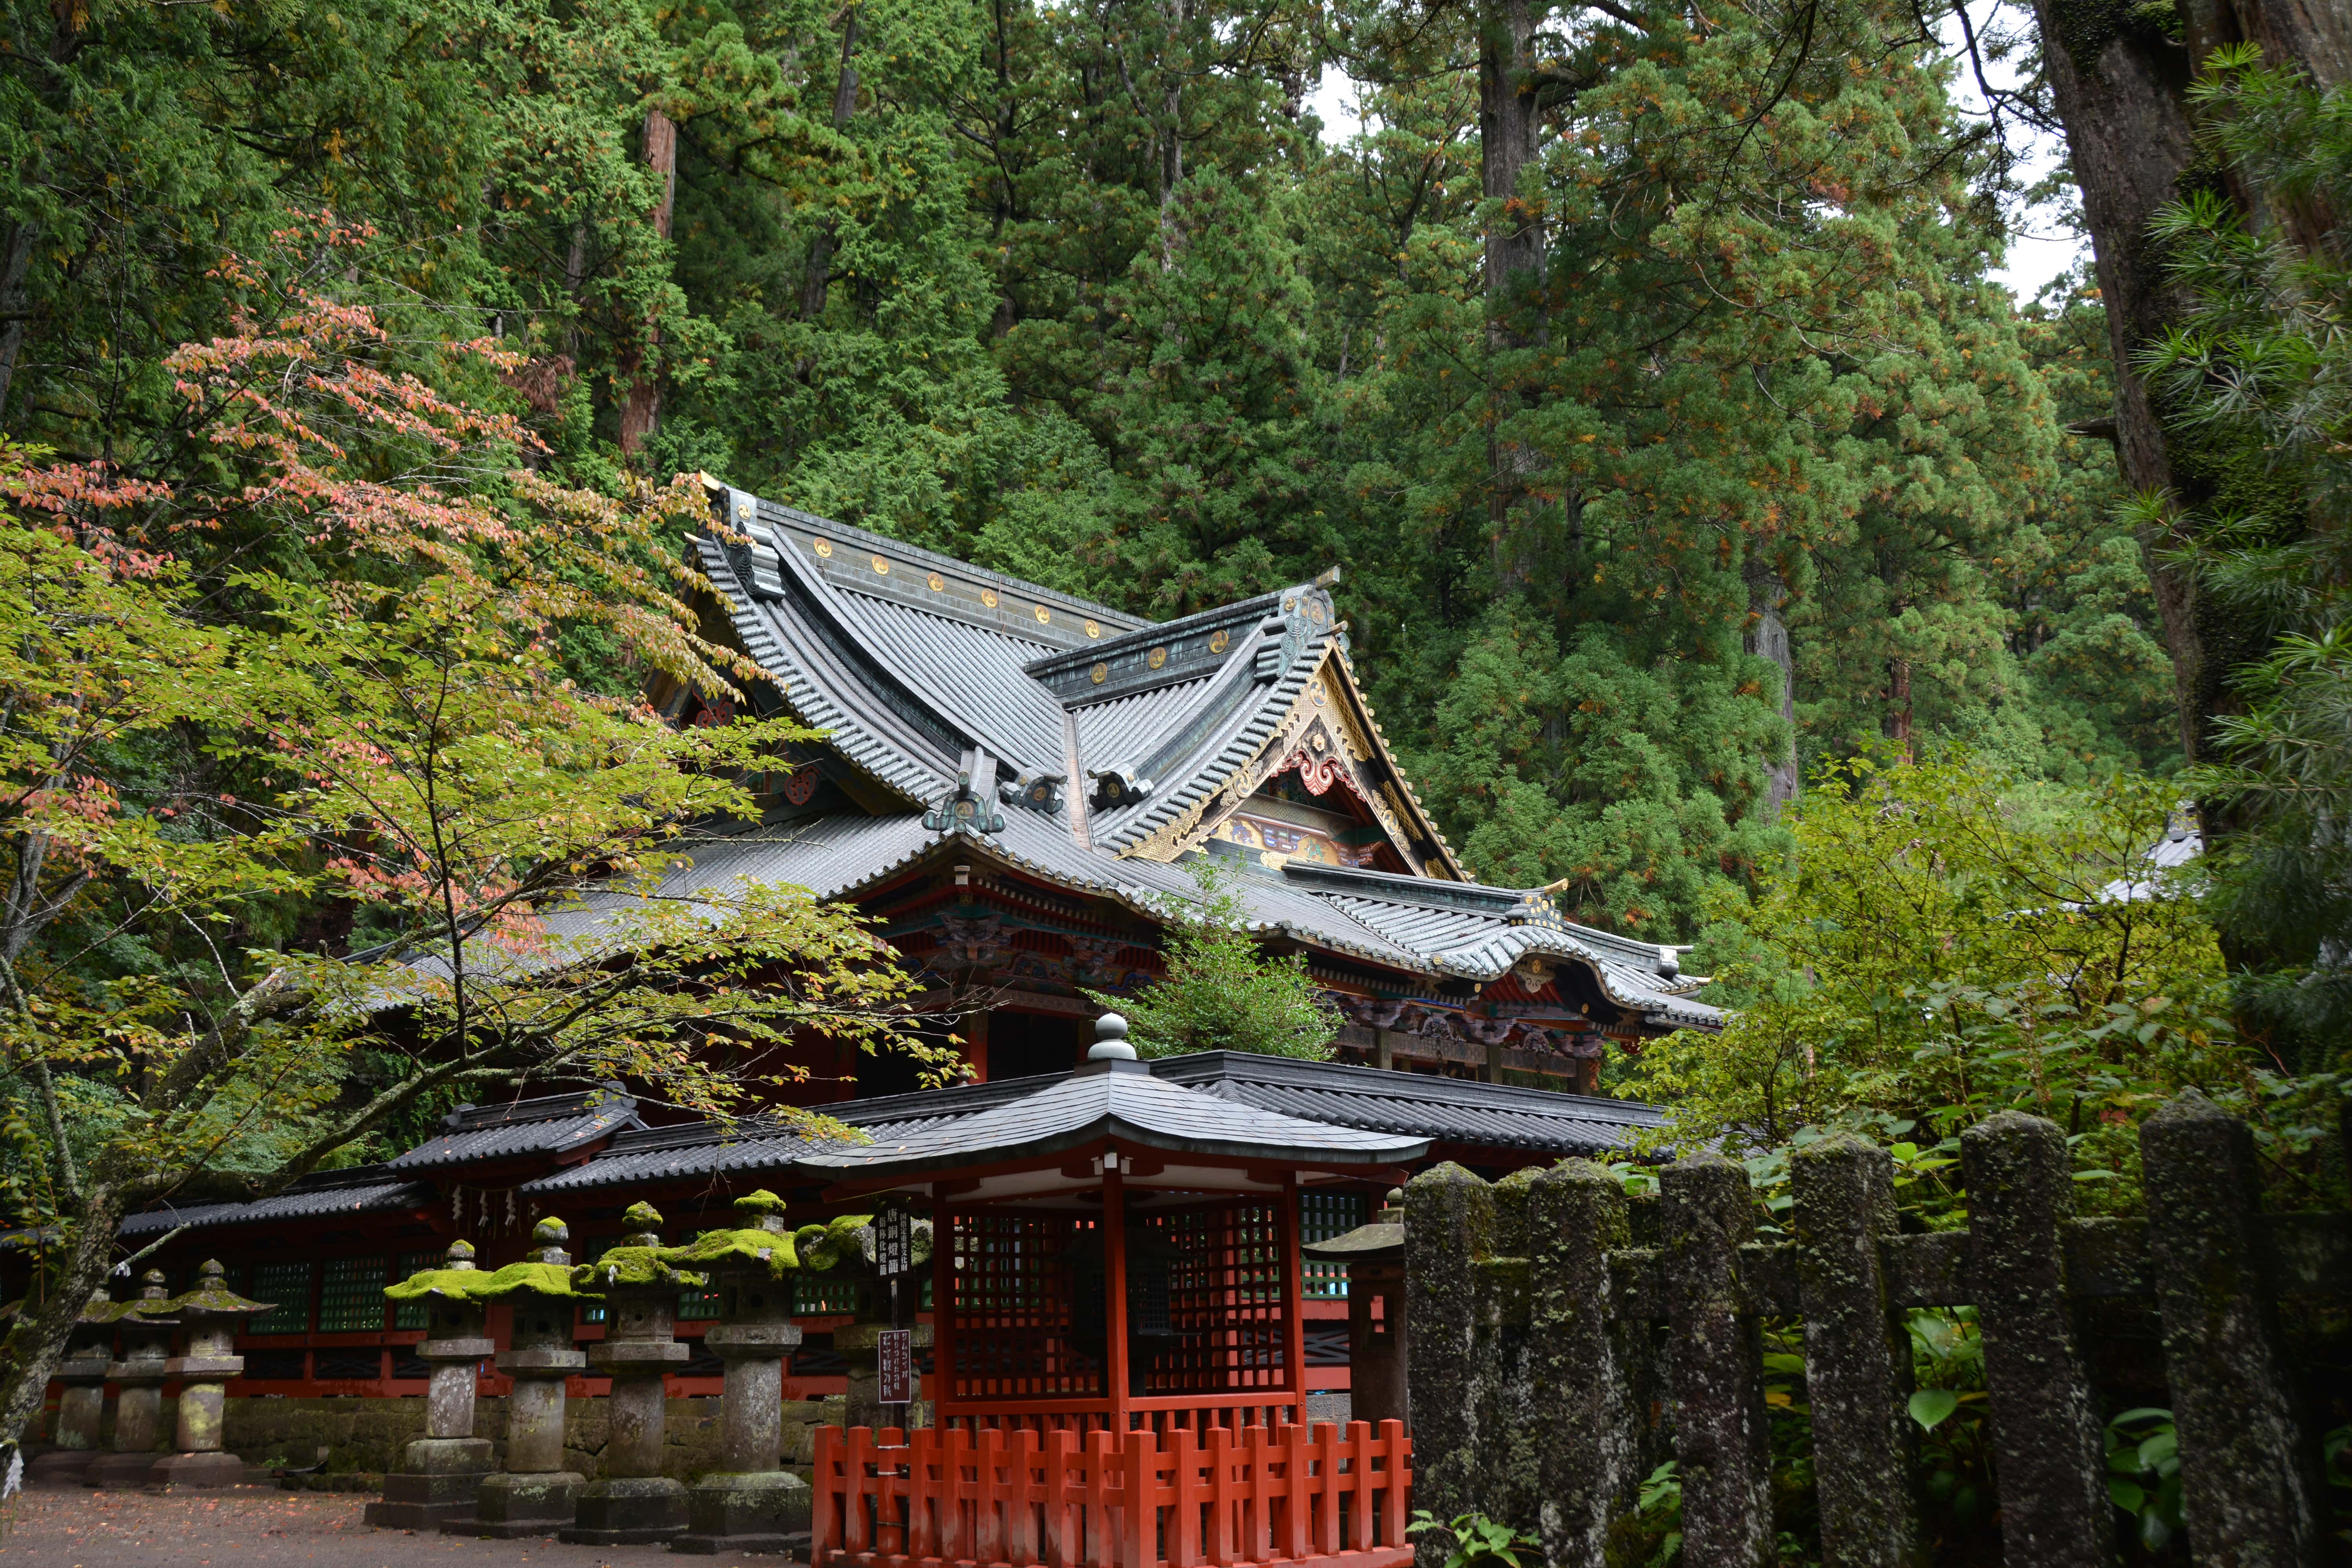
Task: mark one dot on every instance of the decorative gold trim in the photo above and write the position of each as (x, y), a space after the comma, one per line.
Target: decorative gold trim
(1220, 640)
(936, 582)
(823, 547)
(1157, 657)
(1099, 674)
(1045, 617)
(988, 598)
(1094, 629)
(881, 567)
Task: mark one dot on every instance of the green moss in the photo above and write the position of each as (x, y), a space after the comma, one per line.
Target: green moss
(531, 1277)
(448, 1284)
(737, 1248)
(625, 1266)
(825, 1247)
(762, 1202)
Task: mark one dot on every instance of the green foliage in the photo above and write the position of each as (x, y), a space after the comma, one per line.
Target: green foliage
(2144, 1474)
(1947, 940)
(1478, 1540)
(1220, 992)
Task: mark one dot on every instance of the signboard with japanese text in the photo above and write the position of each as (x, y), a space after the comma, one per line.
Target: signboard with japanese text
(894, 1366)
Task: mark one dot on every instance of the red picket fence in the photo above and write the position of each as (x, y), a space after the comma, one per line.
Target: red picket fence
(1305, 1496)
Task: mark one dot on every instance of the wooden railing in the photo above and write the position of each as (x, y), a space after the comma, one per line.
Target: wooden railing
(1199, 1413)
(1231, 1498)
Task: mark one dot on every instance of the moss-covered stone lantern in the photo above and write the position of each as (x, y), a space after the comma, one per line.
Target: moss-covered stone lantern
(750, 1503)
(843, 1249)
(634, 1504)
(212, 1312)
(139, 1408)
(443, 1469)
(81, 1406)
(536, 1494)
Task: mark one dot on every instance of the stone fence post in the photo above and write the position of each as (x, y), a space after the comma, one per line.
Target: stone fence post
(2250, 1480)
(2047, 1443)
(1722, 1433)
(1858, 1356)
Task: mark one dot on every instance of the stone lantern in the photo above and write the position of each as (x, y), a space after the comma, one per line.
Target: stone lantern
(81, 1408)
(535, 1494)
(750, 1503)
(212, 1312)
(634, 1504)
(845, 1250)
(139, 1409)
(1374, 1253)
(442, 1469)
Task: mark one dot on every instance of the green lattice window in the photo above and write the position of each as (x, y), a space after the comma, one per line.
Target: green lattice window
(819, 1298)
(1322, 1216)
(350, 1297)
(415, 1314)
(288, 1285)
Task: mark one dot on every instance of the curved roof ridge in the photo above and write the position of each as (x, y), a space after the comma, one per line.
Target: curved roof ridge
(816, 673)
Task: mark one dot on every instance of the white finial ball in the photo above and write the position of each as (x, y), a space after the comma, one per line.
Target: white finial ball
(1110, 1040)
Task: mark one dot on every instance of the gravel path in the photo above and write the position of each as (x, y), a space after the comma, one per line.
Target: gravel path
(269, 1528)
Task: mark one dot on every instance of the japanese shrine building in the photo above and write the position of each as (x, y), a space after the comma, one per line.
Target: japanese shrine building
(1011, 776)
(1011, 781)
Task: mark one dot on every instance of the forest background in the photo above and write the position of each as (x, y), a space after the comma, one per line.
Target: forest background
(1664, 419)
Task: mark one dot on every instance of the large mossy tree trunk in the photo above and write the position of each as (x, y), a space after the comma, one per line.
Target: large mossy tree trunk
(2120, 80)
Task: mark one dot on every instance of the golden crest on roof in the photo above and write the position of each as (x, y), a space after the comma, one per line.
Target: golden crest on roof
(881, 567)
(1156, 657)
(937, 582)
(988, 598)
(823, 547)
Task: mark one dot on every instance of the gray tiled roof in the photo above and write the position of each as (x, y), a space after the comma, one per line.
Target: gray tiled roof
(1116, 1100)
(550, 1124)
(1368, 1101)
(362, 1189)
(1419, 1105)
(755, 1145)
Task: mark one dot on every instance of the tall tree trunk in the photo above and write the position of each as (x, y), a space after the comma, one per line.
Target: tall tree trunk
(2119, 91)
(15, 306)
(819, 278)
(1509, 119)
(641, 415)
(2120, 88)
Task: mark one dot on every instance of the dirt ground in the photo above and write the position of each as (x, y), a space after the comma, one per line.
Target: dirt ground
(269, 1528)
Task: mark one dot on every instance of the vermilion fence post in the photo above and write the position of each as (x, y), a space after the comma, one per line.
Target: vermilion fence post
(1063, 1545)
(1184, 1502)
(1399, 1479)
(856, 1448)
(1138, 1512)
(992, 1497)
(1020, 1527)
(1327, 1485)
(1218, 1546)
(824, 1516)
(1299, 1496)
(1361, 1475)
